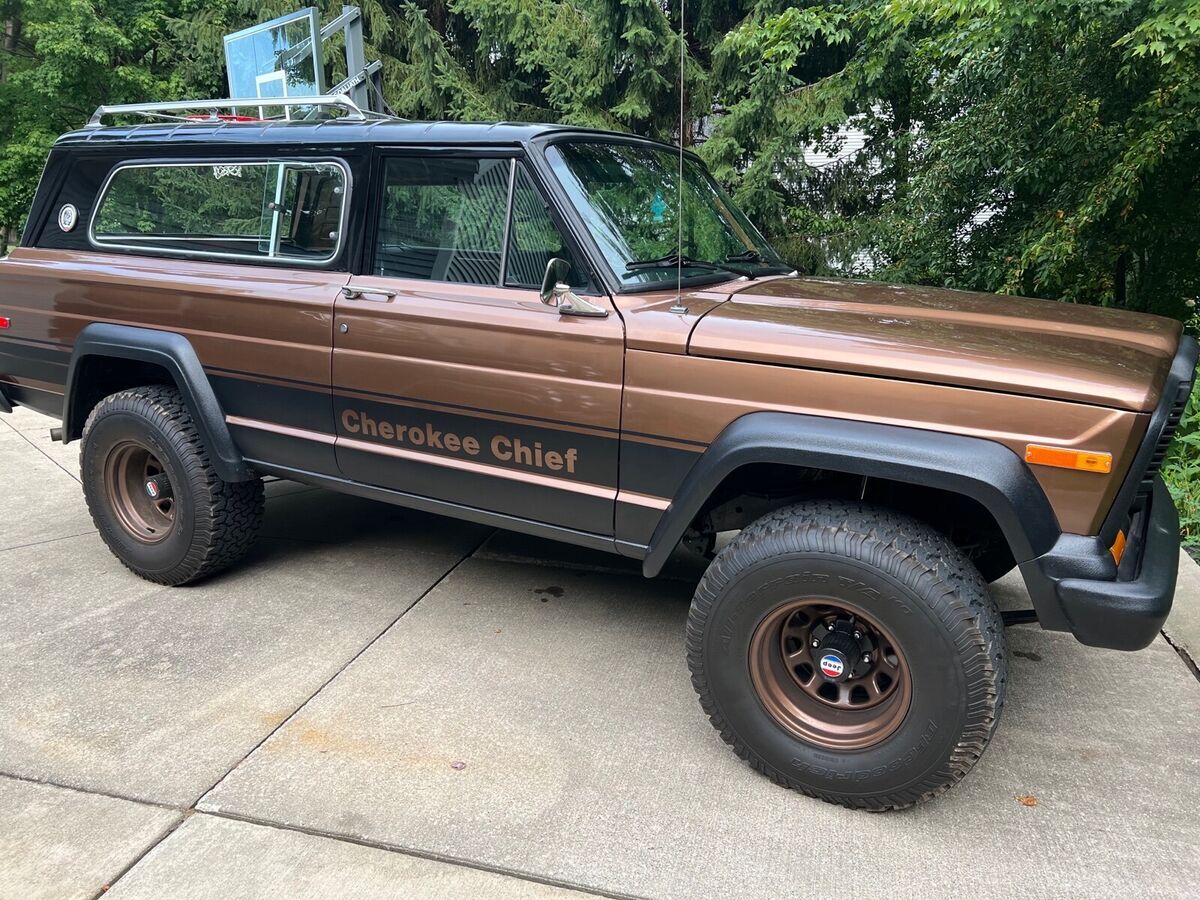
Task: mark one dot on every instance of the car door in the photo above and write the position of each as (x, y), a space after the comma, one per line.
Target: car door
(451, 379)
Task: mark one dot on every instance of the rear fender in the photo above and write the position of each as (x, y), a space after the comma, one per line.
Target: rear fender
(174, 354)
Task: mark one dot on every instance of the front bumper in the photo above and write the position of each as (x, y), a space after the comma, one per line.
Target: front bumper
(1077, 586)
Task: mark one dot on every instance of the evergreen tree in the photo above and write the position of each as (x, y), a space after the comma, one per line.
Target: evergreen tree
(1046, 147)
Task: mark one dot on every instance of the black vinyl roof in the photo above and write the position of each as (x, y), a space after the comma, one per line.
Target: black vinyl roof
(340, 131)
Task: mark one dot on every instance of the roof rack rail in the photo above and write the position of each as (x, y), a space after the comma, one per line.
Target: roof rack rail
(163, 110)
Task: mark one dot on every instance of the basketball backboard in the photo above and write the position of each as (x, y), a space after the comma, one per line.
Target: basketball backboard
(279, 58)
(285, 58)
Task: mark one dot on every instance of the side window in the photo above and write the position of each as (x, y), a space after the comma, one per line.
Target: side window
(534, 239)
(443, 219)
(273, 209)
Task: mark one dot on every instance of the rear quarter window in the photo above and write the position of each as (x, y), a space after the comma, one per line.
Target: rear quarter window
(255, 210)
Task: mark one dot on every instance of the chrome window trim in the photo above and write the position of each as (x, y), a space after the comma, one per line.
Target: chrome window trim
(258, 258)
(508, 217)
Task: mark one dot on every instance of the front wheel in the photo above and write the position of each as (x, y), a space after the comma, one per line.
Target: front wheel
(850, 653)
(154, 494)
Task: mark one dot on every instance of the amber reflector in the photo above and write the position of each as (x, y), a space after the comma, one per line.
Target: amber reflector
(1063, 458)
(1118, 547)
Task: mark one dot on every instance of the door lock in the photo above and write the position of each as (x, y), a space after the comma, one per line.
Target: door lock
(343, 328)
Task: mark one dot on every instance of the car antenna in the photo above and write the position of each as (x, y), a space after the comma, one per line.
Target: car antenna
(679, 307)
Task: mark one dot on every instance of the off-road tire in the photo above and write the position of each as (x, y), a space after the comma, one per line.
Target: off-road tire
(911, 580)
(216, 521)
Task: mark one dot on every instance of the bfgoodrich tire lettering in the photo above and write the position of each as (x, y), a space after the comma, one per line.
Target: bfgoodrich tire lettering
(212, 522)
(898, 572)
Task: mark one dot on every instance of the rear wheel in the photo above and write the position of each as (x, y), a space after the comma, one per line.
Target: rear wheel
(850, 653)
(153, 493)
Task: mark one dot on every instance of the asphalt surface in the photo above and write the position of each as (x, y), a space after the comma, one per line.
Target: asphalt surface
(381, 703)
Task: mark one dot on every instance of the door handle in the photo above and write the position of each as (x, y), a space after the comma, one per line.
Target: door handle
(367, 293)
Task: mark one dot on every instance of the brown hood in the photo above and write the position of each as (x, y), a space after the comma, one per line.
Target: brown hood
(1013, 344)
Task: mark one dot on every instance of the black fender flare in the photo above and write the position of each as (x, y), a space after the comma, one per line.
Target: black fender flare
(983, 470)
(174, 353)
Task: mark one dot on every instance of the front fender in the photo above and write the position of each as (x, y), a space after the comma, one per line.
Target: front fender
(983, 470)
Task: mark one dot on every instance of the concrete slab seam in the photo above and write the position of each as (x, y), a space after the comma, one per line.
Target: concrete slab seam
(420, 854)
(1183, 655)
(26, 439)
(167, 832)
(112, 795)
(65, 537)
(340, 670)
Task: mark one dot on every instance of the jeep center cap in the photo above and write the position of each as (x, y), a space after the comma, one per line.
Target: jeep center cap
(837, 654)
(158, 487)
(832, 665)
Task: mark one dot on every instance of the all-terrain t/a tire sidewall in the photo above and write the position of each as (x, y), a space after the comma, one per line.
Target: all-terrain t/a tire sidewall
(886, 767)
(216, 521)
(950, 648)
(154, 561)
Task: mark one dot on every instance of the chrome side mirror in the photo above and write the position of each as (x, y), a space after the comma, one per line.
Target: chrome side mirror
(557, 293)
(557, 271)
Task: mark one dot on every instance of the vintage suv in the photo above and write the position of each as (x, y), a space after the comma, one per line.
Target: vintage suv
(483, 321)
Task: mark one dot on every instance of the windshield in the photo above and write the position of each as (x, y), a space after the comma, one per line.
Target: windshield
(628, 194)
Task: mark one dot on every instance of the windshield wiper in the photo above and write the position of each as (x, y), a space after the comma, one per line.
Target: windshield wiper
(673, 260)
(750, 256)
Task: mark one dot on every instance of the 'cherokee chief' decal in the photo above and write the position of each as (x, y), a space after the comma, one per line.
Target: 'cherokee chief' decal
(499, 449)
(557, 452)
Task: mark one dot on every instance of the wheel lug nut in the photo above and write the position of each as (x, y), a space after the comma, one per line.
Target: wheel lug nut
(816, 643)
(866, 657)
(858, 635)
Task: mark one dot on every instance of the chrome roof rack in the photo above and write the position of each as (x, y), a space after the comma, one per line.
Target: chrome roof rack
(165, 109)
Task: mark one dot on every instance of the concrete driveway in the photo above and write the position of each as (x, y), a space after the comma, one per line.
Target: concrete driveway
(383, 703)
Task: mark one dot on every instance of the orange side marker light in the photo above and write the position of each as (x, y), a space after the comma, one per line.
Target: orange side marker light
(1118, 547)
(1065, 458)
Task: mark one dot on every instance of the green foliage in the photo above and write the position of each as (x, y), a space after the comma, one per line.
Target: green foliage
(1181, 471)
(1042, 147)
(62, 58)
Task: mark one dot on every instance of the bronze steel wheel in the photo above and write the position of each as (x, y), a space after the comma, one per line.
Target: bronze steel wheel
(849, 652)
(829, 674)
(154, 494)
(139, 491)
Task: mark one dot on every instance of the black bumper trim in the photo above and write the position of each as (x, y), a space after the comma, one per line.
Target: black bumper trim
(5, 404)
(1076, 586)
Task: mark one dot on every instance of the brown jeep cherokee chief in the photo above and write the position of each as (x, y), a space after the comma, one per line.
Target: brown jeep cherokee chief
(484, 321)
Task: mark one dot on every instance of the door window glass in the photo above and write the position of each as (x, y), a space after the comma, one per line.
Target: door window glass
(443, 219)
(282, 209)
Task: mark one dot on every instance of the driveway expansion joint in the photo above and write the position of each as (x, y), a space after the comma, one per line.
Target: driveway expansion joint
(34, 445)
(419, 854)
(1183, 655)
(170, 830)
(65, 537)
(112, 795)
(371, 643)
